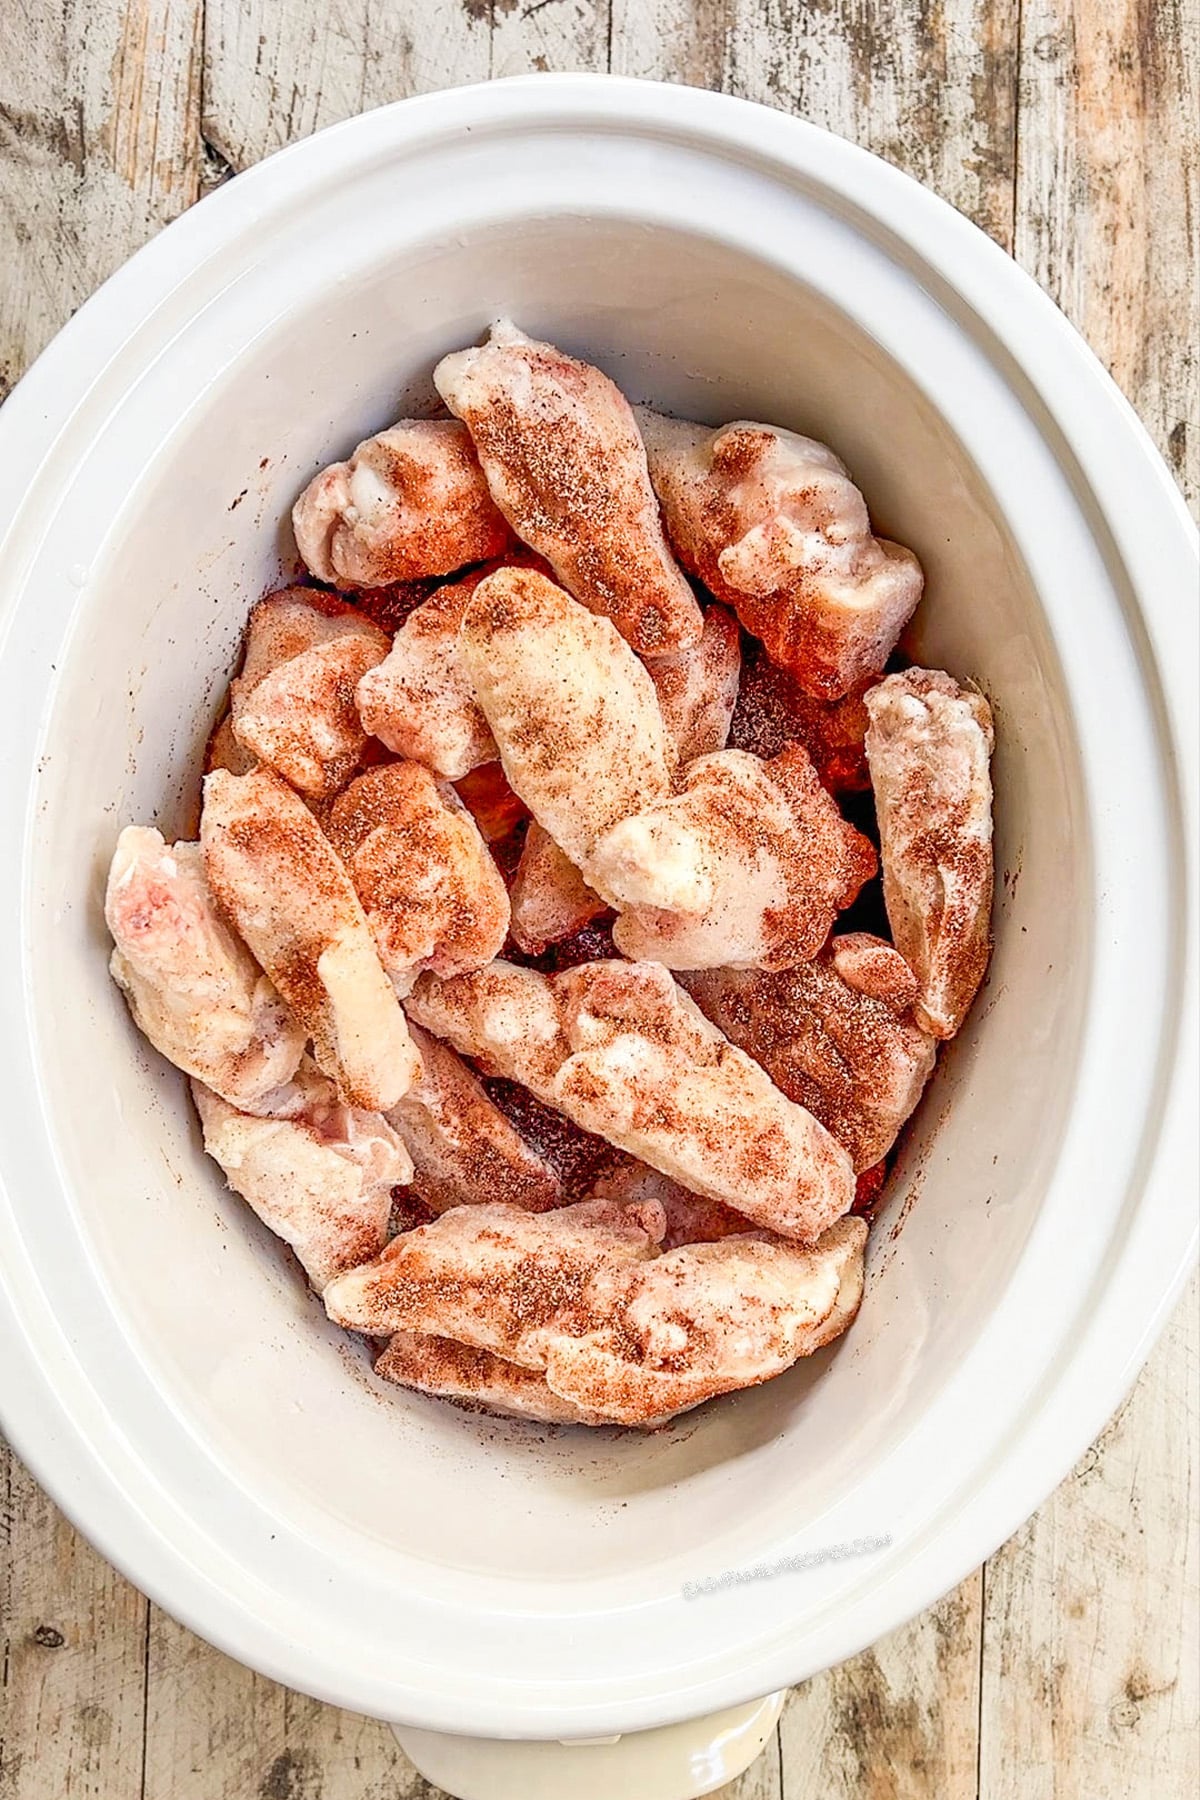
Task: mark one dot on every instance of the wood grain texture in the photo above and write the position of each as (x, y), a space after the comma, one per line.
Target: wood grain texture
(1067, 129)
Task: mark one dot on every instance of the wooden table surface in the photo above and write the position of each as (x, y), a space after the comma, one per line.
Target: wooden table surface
(1068, 1666)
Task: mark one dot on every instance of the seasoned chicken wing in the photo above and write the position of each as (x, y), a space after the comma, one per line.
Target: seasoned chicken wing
(929, 746)
(464, 1149)
(477, 1380)
(222, 751)
(837, 1035)
(410, 502)
(697, 688)
(691, 1219)
(566, 466)
(773, 525)
(624, 1052)
(321, 1177)
(573, 711)
(192, 986)
(433, 896)
(292, 706)
(419, 700)
(747, 866)
(707, 1319)
(494, 1276)
(277, 877)
(550, 899)
(773, 711)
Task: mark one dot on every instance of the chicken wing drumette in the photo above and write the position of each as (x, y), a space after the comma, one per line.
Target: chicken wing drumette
(277, 877)
(410, 502)
(929, 745)
(192, 986)
(565, 464)
(320, 1176)
(433, 896)
(837, 1035)
(746, 866)
(292, 706)
(773, 525)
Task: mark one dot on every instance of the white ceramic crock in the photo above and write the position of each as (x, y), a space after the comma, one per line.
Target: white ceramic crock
(160, 1368)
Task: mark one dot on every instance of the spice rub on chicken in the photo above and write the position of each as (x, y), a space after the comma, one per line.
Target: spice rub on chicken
(566, 466)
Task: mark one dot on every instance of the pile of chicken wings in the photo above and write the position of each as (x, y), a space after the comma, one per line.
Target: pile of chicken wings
(506, 969)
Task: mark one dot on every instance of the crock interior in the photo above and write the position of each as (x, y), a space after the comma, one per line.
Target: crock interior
(216, 1310)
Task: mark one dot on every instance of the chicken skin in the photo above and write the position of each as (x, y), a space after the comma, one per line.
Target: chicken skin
(746, 866)
(565, 464)
(192, 986)
(772, 524)
(691, 1219)
(277, 877)
(626, 1055)
(419, 700)
(477, 1380)
(321, 1177)
(433, 896)
(697, 688)
(292, 707)
(837, 1035)
(773, 711)
(550, 899)
(929, 746)
(573, 711)
(409, 503)
(493, 1276)
(464, 1150)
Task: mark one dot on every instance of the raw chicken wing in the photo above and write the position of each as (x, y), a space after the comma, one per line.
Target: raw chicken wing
(929, 746)
(691, 1219)
(747, 866)
(464, 1150)
(433, 896)
(321, 1177)
(477, 1380)
(192, 986)
(292, 706)
(698, 688)
(419, 700)
(504, 1017)
(836, 1034)
(574, 712)
(550, 899)
(773, 711)
(410, 502)
(773, 525)
(275, 874)
(567, 468)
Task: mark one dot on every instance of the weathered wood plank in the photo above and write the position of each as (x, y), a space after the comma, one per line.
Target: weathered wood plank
(98, 148)
(1091, 1673)
(673, 40)
(1108, 195)
(274, 73)
(928, 84)
(529, 36)
(72, 1678)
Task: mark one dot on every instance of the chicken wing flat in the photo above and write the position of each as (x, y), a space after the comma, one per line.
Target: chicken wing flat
(433, 896)
(697, 688)
(837, 1035)
(321, 1178)
(192, 986)
(494, 1276)
(929, 746)
(625, 1054)
(560, 448)
(772, 525)
(746, 866)
(408, 503)
(464, 1151)
(707, 1319)
(550, 899)
(277, 877)
(419, 700)
(292, 706)
(773, 711)
(477, 1380)
(573, 711)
